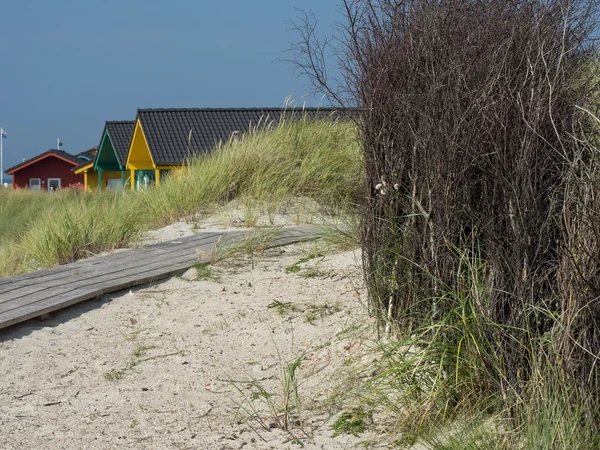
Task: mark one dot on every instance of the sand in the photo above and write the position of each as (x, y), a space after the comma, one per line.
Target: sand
(174, 365)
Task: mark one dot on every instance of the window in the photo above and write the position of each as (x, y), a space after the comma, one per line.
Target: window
(114, 184)
(35, 184)
(53, 184)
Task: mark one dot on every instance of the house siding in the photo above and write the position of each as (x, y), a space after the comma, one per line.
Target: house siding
(109, 174)
(50, 167)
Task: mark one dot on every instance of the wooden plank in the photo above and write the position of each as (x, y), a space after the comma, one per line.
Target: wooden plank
(108, 267)
(132, 256)
(52, 304)
(115, 278)
(42, 292)
(67, 269)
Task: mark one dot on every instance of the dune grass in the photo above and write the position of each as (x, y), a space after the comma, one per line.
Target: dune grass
(436, 386)
(318, 160)
(82, 227)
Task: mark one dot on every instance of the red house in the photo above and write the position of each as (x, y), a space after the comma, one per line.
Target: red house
(49, 171)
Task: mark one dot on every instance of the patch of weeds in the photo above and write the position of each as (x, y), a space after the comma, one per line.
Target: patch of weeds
(350, 331)
(406, 441)
(240, 314)
(315, 312)
(282, 308)
(283, 409)
(296, 267)
(140, 350)
(114, 375)
(294, 441)
(313, 272)
(351, 422)
(132, 335)
(205, 273)
(343, 236)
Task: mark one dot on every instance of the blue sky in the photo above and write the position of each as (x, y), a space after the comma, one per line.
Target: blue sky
(69, 65)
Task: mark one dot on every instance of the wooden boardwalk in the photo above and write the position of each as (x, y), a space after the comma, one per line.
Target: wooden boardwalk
(36, 294)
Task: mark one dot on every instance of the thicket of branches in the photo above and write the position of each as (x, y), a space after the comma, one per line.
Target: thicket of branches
(478, 129)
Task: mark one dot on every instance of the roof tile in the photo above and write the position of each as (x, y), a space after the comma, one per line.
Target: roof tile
(120, 132)
(167, 130)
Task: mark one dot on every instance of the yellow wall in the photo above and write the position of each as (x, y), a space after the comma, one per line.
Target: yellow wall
(139, 157)
(91, 178)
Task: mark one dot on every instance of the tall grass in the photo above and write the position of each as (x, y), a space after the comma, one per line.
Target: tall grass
(19, 210)
(268, 167)
(82, 227)
(438, 384)
(315, 159)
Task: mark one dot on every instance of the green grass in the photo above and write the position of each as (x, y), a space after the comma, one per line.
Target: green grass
(86, 225)
(318, 161)
(282, 308)
(438, 385)
(351, 422)
(205, 273)
(114, 375)
(282, 408)
(320, 311)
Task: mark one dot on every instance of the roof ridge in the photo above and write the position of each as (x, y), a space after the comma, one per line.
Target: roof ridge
(267, 108)
(61, 153)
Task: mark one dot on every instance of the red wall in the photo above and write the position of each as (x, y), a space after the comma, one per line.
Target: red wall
(49, 167)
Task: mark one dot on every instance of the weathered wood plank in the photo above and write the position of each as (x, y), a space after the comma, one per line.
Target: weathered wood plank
(80, 294)
(68, 269)
(115, 278)
(108, 267)
(32, 295)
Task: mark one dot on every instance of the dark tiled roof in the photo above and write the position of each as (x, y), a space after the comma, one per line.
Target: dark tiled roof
(167, 130)
(86, 157)
(60, 153)
(120, 135)
(90, 153)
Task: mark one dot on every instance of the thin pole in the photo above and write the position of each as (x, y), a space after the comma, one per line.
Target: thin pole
(1, 167)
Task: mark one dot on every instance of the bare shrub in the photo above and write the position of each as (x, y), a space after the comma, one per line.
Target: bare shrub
(475, 125)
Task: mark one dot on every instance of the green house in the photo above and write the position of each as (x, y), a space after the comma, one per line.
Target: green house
(108, 168)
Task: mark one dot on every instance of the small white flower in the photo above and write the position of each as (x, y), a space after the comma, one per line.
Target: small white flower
(396, 186)
(382, 192)
(378, 187)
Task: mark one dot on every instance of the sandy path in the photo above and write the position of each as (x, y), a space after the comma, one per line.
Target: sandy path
(150, 368)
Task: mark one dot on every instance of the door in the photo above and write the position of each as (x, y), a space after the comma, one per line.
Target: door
(53, 184)
(144, 179)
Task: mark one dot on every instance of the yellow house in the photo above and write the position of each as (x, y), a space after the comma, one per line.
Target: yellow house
(164, 139)
(144, 171)
(107, 170)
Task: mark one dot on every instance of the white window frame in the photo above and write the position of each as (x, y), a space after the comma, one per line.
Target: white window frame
(53, 179)
(39, 185)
